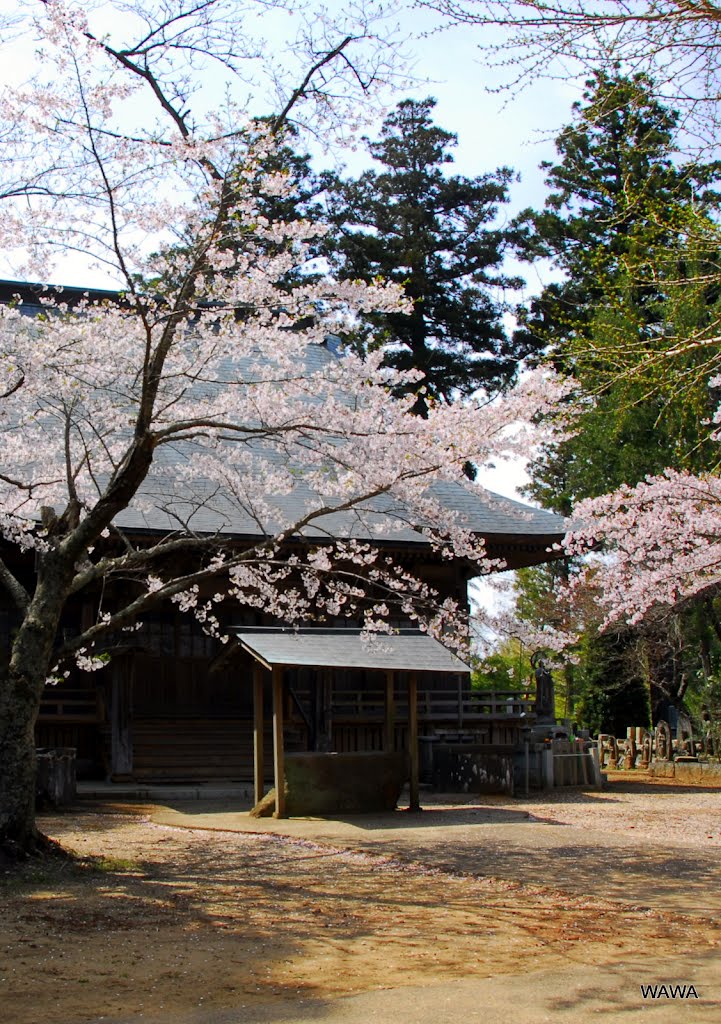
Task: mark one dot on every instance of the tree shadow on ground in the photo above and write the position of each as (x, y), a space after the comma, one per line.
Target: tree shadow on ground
(684, 882)
(250, 918)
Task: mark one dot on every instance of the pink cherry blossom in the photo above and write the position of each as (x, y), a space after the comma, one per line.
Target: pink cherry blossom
(661, 542)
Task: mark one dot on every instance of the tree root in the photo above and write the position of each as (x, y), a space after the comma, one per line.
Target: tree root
(40, 847)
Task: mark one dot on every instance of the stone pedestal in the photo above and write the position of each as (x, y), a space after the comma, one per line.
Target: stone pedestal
(322, 783)
(56, 781)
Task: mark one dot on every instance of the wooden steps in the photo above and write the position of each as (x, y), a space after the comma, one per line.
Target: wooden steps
(196, 750)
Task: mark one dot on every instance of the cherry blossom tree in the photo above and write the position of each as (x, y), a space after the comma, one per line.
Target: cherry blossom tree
(677, 42)
(203, 393)
(661, 540)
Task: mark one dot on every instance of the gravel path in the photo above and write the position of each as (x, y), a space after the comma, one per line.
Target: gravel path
(488, 911)
(647, 844)
(640, 812)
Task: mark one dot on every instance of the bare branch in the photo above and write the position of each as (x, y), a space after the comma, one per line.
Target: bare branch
(300, 91)
(13, 587)
(677, 42)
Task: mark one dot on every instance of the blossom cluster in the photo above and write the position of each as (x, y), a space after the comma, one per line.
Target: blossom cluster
(661, 542)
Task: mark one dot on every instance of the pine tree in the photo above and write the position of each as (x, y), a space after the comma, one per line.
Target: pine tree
(436, 235)
(629, 228)
(632, 230)
(296, 198)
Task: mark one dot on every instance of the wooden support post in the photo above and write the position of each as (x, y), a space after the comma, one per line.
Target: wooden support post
(414, 804)
(389, 738)
(278, 748)
(327, 709)
(258, 727)
(121, 717)
(323, 720)
(317, 695)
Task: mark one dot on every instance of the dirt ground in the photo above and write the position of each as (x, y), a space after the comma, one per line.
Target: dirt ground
(192, 911)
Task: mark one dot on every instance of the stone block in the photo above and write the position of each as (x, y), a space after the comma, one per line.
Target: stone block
(327, 783)
(56, 782)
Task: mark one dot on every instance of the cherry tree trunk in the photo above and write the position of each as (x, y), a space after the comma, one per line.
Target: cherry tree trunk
(19, 700)
(21, 691)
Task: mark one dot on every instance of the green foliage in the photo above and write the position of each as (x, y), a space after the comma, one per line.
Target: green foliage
(635, 320)
(601, 679)
(628, 676)
(506, 668)
(434, 234)
(613, 693)
(617, 196)
(112, 865)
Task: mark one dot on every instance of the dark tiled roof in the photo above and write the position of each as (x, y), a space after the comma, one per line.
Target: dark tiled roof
(484, 513)
(165, 500)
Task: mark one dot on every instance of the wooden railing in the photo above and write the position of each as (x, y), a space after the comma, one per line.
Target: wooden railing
(69, 705)
(474, 704)
(433, 705)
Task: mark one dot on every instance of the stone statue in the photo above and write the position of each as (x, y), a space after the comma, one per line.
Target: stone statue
(545, 698)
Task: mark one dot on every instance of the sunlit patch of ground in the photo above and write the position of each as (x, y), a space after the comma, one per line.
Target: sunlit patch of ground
(157, 919)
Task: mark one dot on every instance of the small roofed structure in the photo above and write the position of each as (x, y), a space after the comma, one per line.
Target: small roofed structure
(276, 649)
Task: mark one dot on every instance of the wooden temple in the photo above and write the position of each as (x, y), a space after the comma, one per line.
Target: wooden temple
(174, 705)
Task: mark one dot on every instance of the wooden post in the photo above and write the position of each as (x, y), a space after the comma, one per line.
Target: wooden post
(278, 748)
(327, 709)
(389, 739)
(121, 716)
(414, 804)
(315, 688)
(323, 720)
(258, 726)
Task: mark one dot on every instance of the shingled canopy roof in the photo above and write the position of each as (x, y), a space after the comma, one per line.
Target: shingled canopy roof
(405, 651)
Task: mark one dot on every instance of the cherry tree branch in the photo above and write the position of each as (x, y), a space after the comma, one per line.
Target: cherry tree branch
(13, 587)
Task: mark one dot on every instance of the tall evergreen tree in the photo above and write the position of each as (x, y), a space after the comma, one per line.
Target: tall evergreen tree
(436, 235)
(632, 231)
(625, 224)
(285, 190)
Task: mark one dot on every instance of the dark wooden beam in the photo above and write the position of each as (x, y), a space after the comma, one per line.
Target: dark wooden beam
(278, 747)
(389, 738)
(258, 726)
(414, 804)
(121, 722)
(326, 743)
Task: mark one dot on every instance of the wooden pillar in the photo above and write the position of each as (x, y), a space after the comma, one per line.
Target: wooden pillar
(323, 710)
(327, 744)
(278, 748)
(315, 687)
(258, 726)
(414, 804)
(390, 724)
(121, 731)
